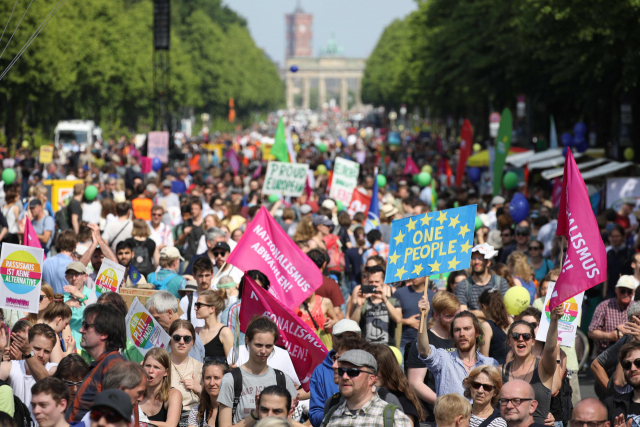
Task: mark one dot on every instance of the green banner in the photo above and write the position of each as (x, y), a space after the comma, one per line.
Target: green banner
(503, 143)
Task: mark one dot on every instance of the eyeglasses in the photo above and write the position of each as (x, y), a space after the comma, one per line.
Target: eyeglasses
(111, 417)
(187, 338)
(626, 364)
(516, 336)
(352, 372)
(199, 305)
(219, 254)
(486, 387)
(626, 291)
(71, 383)
(579, 423)
(516, 401)
(86, 325)
(534, 248)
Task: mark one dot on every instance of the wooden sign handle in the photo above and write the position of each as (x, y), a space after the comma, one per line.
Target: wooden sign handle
(423, 318)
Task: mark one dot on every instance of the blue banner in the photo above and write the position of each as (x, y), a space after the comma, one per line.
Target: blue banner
(432, 243)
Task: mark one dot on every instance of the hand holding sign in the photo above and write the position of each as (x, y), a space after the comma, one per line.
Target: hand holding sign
(424, 307)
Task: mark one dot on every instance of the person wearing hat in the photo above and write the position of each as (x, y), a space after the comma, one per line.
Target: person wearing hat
(111, 408)
(387, 214)
(44, 225)
(469, 290)
(496, 203)
(607, 323)
(167, 278)
(77, 296)
(166, 198)
(357, 374)
(322, 225)
(322, 384)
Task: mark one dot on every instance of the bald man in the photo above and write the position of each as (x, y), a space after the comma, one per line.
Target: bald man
(590, 410)
(517, 404)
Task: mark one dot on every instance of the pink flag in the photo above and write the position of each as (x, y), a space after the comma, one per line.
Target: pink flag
(30, 236)
(233, 160)
(410, 168)
(302, 344)
(145, 164)
(585, 262)
(556, 193)
(266, 247)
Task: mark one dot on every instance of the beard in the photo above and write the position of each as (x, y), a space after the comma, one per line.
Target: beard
(465, 346)
(633, 381)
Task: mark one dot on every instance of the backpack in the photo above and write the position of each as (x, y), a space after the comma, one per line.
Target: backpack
(336, 256)
(388, 415)
(141, 259)
(22, 415)
(161, 285)
(237, 386)
(61, 219)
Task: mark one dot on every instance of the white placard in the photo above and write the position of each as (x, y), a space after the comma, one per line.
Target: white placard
(285, 179)
(109, 277)
(568, 323)
(344, 180)
(620, 188)
(143, 330)
(21, 272)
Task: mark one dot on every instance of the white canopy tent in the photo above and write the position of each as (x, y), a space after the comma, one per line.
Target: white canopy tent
(558, 172)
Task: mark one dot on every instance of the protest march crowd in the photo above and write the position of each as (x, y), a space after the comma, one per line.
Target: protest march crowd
(229, 306)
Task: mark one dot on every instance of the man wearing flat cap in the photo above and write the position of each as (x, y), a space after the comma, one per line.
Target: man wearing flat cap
(357, 372)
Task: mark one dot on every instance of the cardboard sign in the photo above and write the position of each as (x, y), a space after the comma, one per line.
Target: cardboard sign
(431, 243)
(568, 323)
(109, 277)
(360, 202)
(285, 179)
(46, 154)
(143, 330)
(21, 272)
(131, 294)
(345, 179)
(158, 146)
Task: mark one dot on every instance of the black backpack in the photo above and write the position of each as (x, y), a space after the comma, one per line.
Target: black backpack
(61, 220)
(22, 415)
(142, 259)
(237, 386)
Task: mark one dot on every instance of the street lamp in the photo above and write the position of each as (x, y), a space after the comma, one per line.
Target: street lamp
(392, 117)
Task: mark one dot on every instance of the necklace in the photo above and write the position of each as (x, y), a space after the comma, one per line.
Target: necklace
(528, 372)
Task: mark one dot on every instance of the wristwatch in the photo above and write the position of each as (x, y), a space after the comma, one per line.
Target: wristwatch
(28, 356)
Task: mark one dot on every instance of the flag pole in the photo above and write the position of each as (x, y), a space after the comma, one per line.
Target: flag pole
(423, 314)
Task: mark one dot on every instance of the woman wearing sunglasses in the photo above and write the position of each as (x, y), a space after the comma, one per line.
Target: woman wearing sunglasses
(46, 297)
(185, 370)
(217, 338)
(205, 414)
(527, 367)
(162, 404)
(71, 370)
(483, 386)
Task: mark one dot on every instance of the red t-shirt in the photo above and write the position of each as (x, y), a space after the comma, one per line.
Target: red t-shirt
(623, 221)
(330, 289)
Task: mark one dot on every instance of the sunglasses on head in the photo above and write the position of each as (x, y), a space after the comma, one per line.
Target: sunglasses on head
(516, 336)
(626, 364)
(111, 417)
(219, 359)
(352, 372)
(486, 387)
(177, 338)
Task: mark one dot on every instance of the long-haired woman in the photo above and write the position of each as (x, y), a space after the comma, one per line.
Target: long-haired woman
(217, 338)
(304, 231)
(185, 370)
(496, 325)
(503, 271)
(522, 272)
(205, 414)
(260, 338)
(46, 297)
(454, 278)
(58, 316)
(391, 377)
(11, 211)
(483, 387)
(162, 404)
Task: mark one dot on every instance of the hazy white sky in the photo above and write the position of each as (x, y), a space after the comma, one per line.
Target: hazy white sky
(356, 24)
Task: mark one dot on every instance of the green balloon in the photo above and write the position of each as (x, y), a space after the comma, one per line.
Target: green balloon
(321, 169)
(273, 198)
(382, 180)
(424, 179)
(8, 176)
(478, 224)
(340, 206)
(427, 169)
(415, 178)
(510, 180)
(322, 147)
(90, 192)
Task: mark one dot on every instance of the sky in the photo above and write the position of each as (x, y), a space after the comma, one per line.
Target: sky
(356, 24)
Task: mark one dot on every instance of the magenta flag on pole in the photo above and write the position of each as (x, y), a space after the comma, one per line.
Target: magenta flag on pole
(233, 160)
(30, 236)
(410, 168)
(145, 164)
(266, 247)
(303, 345)
(585, 261)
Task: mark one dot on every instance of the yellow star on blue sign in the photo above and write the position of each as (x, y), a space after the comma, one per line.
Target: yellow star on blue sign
(393, 258)
(453, 264)
(454, 221)
(400, 272)
(399, 238)
(417, 270)
(442, 218)
(425, 219)
(412, 224)
(463, 230)
(465, 247)
(435, 266)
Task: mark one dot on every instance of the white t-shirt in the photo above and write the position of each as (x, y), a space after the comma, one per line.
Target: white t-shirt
(116, 232)
(280, 360)
(92, 212)
(21, 383)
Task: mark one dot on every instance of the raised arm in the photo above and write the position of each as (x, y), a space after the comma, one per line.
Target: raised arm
(548, 362)
(423, 338)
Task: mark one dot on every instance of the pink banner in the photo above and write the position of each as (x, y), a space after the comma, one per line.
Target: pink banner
(556, 193)
(30, 236)
(266, 247)
(233, 160)
(585, 262)
(302, 344)
(145, 164)
(410, 168)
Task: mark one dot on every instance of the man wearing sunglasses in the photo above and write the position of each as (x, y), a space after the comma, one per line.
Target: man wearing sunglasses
(624, 409)
(523, 235)
(517, 404)
(112, 408)
(482, 257)
(357, 374)
(607, 323)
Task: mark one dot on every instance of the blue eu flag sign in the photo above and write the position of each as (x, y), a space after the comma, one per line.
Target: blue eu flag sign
(373, 217)
(431, 243)
(134, 275)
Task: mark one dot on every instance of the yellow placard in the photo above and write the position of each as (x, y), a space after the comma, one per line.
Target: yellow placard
(266, 152)
(60, 190)
(46, 154)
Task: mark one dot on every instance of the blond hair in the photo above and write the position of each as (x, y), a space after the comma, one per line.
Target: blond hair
(214, 298)
(489, 371)
(140, 228)
(48, 291)
(519, 266)
(448, 407)
(162, 357)
(445, 302)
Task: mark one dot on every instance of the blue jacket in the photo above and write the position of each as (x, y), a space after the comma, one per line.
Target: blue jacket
(322, 388)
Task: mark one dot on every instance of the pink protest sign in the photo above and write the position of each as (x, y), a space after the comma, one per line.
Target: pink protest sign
(158, 146)
(585, 263)
(302, 344)
(266, 247)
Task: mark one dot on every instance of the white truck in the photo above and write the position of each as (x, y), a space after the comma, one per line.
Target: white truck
(83, 132)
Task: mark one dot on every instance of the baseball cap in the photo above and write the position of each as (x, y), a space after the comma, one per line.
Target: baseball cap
(305, 209)
(485, 249)
(346, 325)
(115, 399)
(497, 200)
(322, 220)
(626, 282)
(35, 202)
(329, 204)
(170, 252)
(166, 183)
(361, 359)
(76, 266)
(222, 245)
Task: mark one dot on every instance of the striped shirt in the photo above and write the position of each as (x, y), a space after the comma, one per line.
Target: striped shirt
(475, 421)
(370, 415)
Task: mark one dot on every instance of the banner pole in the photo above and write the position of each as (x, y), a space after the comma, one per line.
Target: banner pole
(219, 271)
(423, 314)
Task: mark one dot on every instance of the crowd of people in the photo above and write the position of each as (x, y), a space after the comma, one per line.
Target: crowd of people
(173, 229)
